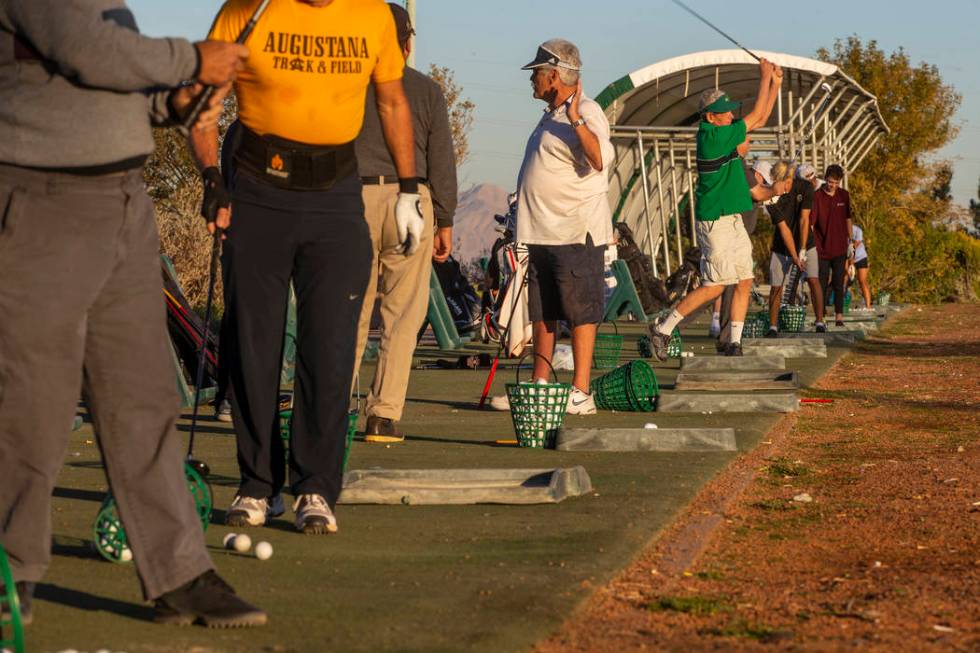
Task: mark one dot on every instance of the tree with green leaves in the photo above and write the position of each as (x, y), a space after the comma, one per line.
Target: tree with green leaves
(900, 196)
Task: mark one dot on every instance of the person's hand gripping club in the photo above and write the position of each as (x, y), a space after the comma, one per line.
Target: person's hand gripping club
(216, 206)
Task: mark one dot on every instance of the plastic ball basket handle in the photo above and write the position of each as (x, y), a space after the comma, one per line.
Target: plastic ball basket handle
(608, 346)
(11, 627)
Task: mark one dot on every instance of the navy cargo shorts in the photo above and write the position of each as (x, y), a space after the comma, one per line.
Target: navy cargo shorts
(565, 282)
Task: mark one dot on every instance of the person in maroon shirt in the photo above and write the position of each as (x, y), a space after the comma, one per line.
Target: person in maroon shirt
(832, 229)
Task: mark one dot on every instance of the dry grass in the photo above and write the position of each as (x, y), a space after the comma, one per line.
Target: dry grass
(185, 239)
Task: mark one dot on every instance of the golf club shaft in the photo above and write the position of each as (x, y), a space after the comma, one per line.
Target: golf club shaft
(708, 23)
(199, 376)
(202, 100)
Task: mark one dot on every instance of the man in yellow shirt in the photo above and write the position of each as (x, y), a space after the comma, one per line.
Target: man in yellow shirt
(298, 214)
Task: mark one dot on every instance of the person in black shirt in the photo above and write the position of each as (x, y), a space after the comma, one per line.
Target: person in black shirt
(791, 218)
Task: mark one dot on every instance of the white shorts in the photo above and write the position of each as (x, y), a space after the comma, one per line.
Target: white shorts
(726, 251)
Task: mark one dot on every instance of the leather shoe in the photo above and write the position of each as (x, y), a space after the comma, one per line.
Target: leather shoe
(382, 430)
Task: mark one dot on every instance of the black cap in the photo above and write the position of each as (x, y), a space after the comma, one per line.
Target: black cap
(402, 23)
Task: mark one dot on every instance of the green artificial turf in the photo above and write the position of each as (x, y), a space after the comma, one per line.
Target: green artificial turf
(401, 578)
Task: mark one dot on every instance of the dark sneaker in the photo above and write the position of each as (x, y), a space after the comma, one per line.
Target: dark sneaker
(313, 515)
(733, 349)
(773, 332)
(381, 430)
(839, 323)
(222, 412)
(720, 346)
(820, 327)
(209, 601)
(25, 596)
(659, 342)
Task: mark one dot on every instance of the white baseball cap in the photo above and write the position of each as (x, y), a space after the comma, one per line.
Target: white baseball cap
(806, 171)
(764, 168)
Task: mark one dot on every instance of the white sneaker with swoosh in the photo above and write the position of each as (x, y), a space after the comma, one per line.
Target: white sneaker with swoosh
(580, 403)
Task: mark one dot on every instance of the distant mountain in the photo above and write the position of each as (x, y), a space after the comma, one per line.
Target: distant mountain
(474, 227)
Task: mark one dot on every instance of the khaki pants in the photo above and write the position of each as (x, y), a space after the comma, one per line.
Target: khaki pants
(80, 299)
(404, 289)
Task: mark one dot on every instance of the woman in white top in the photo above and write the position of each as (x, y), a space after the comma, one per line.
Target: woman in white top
(860, 262)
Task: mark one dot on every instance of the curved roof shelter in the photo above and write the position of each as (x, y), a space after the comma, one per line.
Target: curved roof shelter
(822, 116)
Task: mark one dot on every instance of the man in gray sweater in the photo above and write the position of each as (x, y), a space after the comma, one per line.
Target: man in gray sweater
(80, 288)
(404, 279)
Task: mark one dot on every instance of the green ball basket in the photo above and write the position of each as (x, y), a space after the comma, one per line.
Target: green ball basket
(756, 324)
(629, 387)
(11, 627)
(884, 298)
(791, 318)
(286, 429)
(109, 536)
(676, 345)
(847, 301)
(607, 349)
(537, 410)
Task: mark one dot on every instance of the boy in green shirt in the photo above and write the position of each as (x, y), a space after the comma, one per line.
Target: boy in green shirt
(722, 194)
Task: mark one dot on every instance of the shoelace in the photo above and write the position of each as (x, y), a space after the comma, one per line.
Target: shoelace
(251, 503)
(314, 500)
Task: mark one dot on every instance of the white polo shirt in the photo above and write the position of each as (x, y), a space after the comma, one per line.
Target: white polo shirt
(560, 197)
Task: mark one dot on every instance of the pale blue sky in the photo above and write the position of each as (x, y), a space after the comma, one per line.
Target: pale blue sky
(487, 42)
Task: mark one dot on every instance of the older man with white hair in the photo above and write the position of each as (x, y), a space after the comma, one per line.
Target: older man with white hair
(563, 215)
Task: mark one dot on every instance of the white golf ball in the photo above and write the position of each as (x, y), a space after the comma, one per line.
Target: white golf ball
(242, 543)
(263, 550)
(228, 541)
(126, 555)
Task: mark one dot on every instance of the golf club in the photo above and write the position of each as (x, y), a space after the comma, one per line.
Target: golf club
(200, 466)
(708, 23)
(503, 338)
(205, 96)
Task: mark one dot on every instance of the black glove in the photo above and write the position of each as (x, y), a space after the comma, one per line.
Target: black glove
(215, 194)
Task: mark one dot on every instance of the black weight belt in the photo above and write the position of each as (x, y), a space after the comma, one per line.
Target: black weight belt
(292, 165)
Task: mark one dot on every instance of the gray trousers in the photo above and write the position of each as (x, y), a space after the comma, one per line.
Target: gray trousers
(80, 299)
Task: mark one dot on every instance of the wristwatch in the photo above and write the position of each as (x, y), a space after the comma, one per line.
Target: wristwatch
(577, 123)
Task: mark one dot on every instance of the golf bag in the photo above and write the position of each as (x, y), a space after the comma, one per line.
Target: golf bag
(461, 297)
(685, 278)
(505, 289)
(186, 329)
(651, 290)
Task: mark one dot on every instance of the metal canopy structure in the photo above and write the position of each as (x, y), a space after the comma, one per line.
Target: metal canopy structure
(821, 114)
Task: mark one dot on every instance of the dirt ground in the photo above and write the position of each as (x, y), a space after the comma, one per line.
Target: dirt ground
(855, 524)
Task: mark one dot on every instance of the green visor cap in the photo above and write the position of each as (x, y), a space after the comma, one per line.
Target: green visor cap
(722, 104)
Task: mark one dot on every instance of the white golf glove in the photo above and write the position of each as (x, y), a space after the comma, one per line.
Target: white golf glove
(850, 250)
(409, 222)
(802, 256)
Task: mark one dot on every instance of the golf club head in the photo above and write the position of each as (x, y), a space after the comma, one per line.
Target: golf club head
(826, 88)
(199, 466)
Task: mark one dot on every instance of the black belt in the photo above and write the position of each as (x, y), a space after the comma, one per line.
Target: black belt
(386, 179)
(293, 165)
